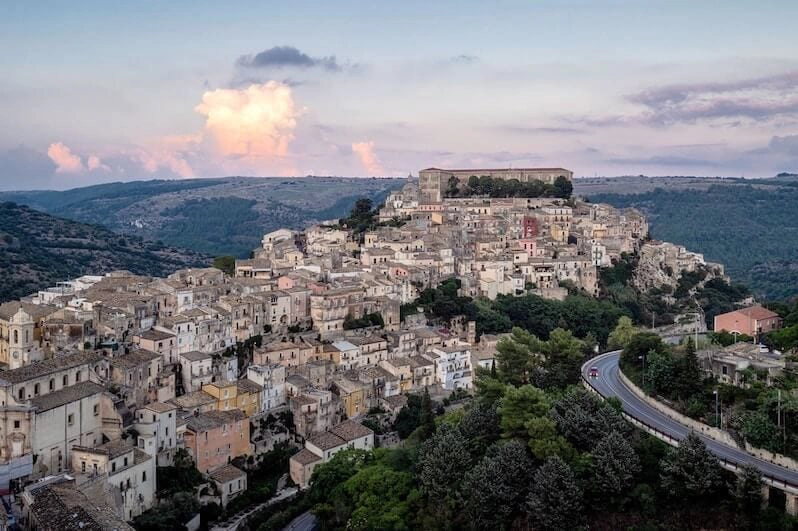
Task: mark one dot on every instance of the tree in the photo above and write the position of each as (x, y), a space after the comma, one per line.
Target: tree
(616, 465)
(497, 486)
(442, 463)
(691, 472)
(519, 406)
(563, 188)
(584, 419)
(380, 498)
(689, 373)
(226, 264)
(426, 417)
(748, 491)
(564, 355)
(555, 498)
(480, 426)
(622, 334)
(516, 355)
(452, 187)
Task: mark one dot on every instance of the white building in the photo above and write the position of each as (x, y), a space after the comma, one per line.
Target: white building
(156, 426)
(196, 368)
(63, 419)
(452, 366)
(272, 379)
(128, 471)
(323, 446)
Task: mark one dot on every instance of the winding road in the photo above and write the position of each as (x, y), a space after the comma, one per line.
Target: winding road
(608, 384)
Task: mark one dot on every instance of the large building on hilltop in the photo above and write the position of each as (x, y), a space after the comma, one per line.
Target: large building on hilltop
(433, 182)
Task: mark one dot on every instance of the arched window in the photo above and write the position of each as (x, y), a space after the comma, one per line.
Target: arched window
(21, 393)
(52, 384)
(16, 337)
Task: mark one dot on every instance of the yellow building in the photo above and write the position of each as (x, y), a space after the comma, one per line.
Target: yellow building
(242, 394)
(352, 395)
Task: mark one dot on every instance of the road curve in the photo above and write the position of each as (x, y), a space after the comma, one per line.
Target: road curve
(609, 384)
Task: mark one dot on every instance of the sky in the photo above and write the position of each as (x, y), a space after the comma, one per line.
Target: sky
(94, 92)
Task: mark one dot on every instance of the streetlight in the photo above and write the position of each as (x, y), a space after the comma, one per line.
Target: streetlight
(715, 392)
(643, 358)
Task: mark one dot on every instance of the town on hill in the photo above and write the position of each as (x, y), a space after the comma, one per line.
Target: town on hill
(194, 398)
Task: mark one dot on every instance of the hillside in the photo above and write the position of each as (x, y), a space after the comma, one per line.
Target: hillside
(214, 216)
(750, 226)
(37, 250)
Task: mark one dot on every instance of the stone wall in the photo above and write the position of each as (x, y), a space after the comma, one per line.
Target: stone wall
(708, 431)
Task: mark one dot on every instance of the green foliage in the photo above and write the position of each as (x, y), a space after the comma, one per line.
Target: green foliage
(370, 319)
(443, 462)
(555, 498)
(701, 221)
(46, 249)
(616, 465)
(584, 419)
(519, 406)
(183, 476)
(555, 363)
(495, 489)
(748, 492)
(690, 473)
(226, 263)
(171, 514)
(622, 334)
(213, 225)
(488, 186)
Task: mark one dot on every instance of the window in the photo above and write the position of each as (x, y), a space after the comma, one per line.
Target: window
(21, 393)
(144, 476)
(96, 409)
(77, 376)
(71, 419)
(16, 424)
(16, 337)
(52, 384)
(65, 380)
(83, 466)
(113, 468)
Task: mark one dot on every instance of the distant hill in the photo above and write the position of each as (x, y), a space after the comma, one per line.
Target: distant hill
(750, 225)
(37, 250)
(214, 216)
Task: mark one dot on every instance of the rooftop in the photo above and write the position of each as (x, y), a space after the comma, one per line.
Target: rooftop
(214, 419)
(66, 395)
(226, 473)
(192, 400)
(305, 457)
(349, 430)
(155, 335)
(52, 365)
(68, 509)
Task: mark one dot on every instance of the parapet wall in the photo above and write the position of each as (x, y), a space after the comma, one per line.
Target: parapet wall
(708, 431)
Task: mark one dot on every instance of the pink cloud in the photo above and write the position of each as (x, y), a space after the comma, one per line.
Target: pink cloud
(369, 159)
(65, 161)
(95, 163)
(255, 123)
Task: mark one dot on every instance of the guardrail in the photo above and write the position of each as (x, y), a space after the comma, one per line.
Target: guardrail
(733, 466)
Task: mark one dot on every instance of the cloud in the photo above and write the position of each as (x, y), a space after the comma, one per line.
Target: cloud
(664, 160)
(757, 99)
(369, 160)
(257, 122)
(522, 130)
(65, 161)
(279, 57)
(94, 163)
(787, 145)
(465, 59)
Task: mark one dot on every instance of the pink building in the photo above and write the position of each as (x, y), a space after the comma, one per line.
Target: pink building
(752, 321)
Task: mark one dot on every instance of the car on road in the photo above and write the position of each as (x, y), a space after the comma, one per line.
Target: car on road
(594, 372)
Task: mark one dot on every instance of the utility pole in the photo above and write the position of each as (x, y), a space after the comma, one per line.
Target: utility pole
(717, 418)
